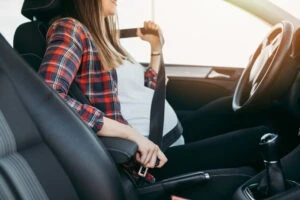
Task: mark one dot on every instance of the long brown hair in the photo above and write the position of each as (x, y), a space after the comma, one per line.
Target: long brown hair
(104, 30)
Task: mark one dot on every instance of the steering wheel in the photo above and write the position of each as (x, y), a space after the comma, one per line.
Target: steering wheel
(264, 66)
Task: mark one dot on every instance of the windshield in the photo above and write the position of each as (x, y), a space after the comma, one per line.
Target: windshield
(291, 6)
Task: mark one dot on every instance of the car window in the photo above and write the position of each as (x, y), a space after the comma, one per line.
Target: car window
(11, 18)
(197, 32)
(212, 33)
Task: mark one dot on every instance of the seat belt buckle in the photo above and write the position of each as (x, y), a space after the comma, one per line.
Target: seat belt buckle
(143, 171)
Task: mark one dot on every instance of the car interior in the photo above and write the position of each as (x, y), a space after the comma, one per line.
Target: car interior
(47, 152)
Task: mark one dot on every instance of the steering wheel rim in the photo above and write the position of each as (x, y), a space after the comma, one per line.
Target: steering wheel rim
(264, 66)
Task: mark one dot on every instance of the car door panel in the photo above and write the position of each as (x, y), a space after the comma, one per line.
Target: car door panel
(191, 87)
(202, 98)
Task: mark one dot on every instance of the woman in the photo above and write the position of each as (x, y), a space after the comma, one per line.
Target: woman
(83, 47)
(89, 55)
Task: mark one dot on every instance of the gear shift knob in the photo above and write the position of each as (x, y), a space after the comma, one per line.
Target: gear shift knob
(269, 147)
(273, 182)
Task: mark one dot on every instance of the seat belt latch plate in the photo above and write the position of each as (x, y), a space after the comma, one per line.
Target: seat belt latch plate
(143, 171)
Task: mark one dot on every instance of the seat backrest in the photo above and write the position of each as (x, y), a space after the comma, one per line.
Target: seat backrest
(46, 151)
(30, 37)
(30, 42)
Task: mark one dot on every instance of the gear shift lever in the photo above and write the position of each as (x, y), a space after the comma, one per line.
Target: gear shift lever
(273, 182)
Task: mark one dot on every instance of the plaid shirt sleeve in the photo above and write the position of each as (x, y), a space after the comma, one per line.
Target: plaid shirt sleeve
(150, 78)
(61, 63)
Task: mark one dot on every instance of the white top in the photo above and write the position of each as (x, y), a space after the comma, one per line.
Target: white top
(136, 99)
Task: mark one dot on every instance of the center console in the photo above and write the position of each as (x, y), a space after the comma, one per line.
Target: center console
(279, 181)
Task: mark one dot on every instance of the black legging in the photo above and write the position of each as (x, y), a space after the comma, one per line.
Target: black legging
(234, 149)
(216, 118)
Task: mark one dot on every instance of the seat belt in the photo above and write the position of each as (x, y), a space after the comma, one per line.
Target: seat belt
(77, 94)
(157, 112)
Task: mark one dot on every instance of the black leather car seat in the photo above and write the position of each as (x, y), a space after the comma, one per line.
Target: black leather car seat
(46, 151)
(30, 37)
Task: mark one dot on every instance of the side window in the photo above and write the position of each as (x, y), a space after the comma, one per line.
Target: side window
(212, 33)
(132, 14)
(11, 18)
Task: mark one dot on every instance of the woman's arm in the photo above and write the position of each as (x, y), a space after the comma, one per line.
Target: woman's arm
(153, 35)
(148, 152)
(60, 65)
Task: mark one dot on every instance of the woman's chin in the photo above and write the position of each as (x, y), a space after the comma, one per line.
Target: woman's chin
(110, 13)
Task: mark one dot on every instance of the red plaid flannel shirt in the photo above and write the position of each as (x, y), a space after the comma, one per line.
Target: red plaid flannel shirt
(72, 56)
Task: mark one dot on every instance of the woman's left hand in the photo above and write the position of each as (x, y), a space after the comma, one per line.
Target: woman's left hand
(152, 34)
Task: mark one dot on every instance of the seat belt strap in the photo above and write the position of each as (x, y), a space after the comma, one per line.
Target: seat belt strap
(77, 94)
(157, 112)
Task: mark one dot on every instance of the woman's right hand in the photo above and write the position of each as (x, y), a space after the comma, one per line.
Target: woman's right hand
(148, 152)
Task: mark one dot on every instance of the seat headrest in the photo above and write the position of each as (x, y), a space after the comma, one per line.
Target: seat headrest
(43, 10)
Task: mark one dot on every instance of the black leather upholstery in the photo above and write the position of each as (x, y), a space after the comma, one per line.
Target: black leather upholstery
(30, 42)
(122, 151)
(29, 39)
(63, 153)
(43, 10)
